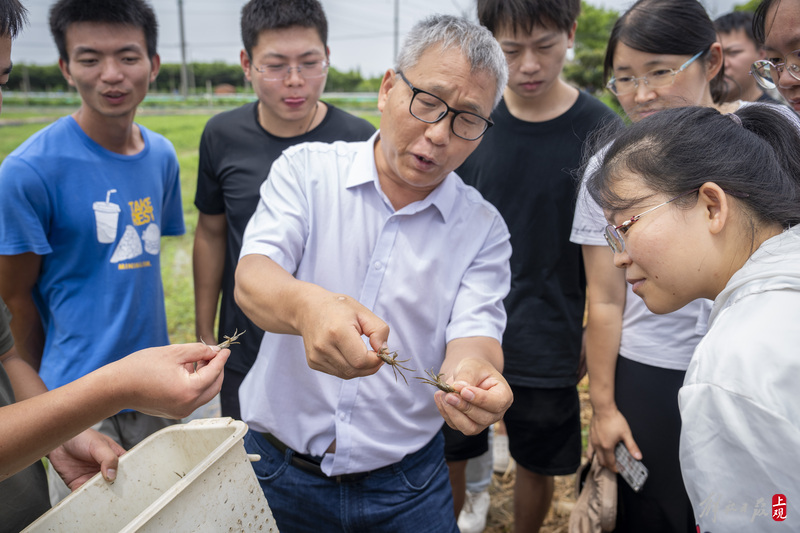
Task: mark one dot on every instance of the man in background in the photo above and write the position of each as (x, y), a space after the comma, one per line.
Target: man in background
(525, 167)
(35, 422)
(740, 50)
(286, 58)
(372, 247)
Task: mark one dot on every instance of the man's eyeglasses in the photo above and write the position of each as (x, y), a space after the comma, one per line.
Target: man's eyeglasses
(613, 234)
(767, 72)
(430, 108)
(281, 71)
(655, 79)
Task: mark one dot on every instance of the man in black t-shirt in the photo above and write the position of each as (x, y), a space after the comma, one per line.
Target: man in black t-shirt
(526, 167)
(285, 57)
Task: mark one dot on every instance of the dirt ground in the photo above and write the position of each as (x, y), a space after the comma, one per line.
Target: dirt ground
(501, 512)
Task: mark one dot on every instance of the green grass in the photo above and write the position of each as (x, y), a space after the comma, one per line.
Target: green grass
(184, 131)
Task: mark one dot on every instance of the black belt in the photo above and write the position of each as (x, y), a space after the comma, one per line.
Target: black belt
(311, 464)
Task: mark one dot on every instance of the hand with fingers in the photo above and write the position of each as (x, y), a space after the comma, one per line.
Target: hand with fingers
(606, 429)
(333, 328)
(481, 396)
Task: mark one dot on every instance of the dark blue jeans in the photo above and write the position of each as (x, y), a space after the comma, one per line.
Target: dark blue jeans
(412, 495)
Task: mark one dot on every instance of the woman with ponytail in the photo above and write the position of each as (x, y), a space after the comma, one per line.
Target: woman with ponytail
(662, 54)
(707, 205)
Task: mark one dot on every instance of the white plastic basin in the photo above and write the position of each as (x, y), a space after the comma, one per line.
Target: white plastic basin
(193, 477)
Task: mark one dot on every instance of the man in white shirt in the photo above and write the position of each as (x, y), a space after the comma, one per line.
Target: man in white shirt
(359, 247)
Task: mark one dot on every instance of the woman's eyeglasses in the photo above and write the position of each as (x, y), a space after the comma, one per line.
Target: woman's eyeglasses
(655, 79)
(613, 234)
(767, 72)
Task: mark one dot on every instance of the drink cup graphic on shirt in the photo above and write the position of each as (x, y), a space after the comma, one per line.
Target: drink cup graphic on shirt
(106, 216)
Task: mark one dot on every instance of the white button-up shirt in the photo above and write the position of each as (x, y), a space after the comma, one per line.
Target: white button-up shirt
(434, 271)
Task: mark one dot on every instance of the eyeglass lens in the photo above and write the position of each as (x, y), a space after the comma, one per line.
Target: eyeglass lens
(656, 78)
(308, 70)
(429, 108)
(768, 71)
(614, 239)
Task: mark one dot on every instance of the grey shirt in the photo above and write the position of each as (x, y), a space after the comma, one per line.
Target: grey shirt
(23, 496)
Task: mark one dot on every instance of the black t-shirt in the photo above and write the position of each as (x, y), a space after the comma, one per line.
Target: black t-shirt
(236, 154)
(528, 170)
(24, 496)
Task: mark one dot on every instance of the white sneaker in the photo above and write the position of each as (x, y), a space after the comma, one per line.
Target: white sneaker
(473, 516)
(500, 454)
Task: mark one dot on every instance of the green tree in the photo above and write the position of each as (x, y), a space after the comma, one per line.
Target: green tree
(38, 78)
(350, 82)
(591, 37)
(747, 6)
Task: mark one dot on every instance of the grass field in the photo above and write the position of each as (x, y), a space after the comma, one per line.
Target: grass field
(184, 131)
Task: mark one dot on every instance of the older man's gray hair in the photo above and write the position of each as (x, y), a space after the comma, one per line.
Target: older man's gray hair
(476, 43)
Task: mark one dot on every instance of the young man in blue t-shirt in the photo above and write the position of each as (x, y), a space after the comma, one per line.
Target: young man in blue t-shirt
(525, 167)
(285, 57)
(83, 205)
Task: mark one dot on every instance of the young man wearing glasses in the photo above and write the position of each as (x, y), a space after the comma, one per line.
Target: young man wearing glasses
(775, 25)
(525, 167)
(285, 57)
(376, 246)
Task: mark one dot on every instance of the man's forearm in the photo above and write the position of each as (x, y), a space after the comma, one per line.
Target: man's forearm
(44, 422)
(271, 297)
(26, 327)
(208, 264)
(24, 379)
(484, 348)
(18, 277)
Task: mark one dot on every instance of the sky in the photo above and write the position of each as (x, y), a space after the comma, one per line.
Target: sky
(360, 32)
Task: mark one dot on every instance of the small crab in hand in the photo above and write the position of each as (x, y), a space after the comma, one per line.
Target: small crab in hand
(436, 380)
(390, 358)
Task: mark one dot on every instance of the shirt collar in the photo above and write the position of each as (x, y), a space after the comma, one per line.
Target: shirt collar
(364, 170)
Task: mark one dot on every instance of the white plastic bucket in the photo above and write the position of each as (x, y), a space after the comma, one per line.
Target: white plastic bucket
(193, 477)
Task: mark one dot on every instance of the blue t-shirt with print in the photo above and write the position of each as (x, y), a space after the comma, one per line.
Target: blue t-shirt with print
(96, 217)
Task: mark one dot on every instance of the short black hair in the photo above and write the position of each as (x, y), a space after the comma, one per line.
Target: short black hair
(13, 16)
(525, 14)
(760, 18)
(260, 15)
(674, 27)
(753, 156)
(736, 20)
(137, 13)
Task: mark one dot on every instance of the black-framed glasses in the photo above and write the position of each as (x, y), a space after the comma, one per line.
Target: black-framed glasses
(613, 234)
(655, 79)
(430, 108)
(767, 72)
(281, 71)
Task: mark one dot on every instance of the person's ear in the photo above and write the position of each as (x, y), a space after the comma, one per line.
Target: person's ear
(716, 206)
(386, 85)
(715, 61)
(64, 67)
(571, 35)
(244, 60)
(155, 67)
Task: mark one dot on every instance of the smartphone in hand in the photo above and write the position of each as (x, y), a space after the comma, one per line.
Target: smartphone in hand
(631, 469)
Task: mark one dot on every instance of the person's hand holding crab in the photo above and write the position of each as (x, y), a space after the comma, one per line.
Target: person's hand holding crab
(481, 395)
